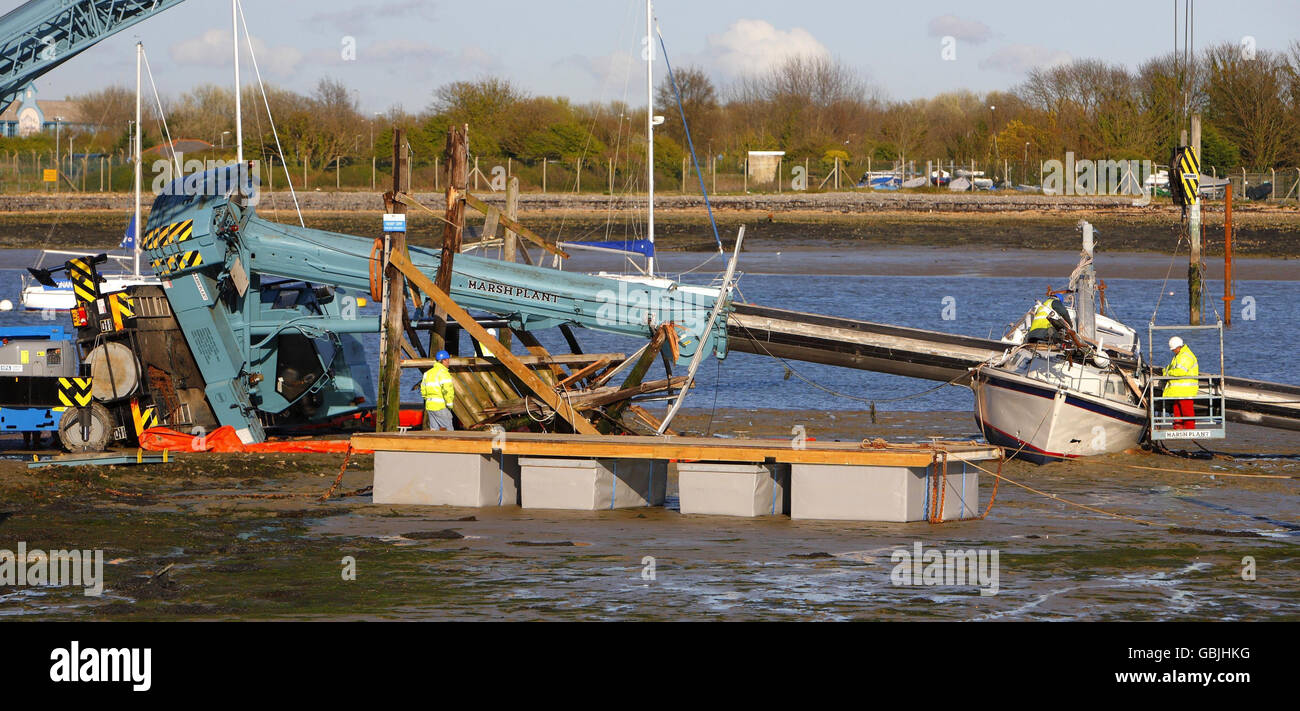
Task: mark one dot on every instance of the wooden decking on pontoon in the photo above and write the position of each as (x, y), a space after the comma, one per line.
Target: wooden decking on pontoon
(530, 444)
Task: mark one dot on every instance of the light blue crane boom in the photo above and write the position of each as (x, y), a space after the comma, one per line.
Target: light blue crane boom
(38, 36)
(219, 262)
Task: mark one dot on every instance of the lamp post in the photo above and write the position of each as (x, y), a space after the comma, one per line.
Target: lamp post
(1024, 164)
(223, 139)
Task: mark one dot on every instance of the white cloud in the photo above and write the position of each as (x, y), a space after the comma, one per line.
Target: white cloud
(1020, 58)
(972, 31)
(359, 18)
(753, 46)
(214, 48)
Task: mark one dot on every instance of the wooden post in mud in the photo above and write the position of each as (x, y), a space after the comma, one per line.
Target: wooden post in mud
(453, 228)
(388, 410)
(1194, 267)
(510, 249)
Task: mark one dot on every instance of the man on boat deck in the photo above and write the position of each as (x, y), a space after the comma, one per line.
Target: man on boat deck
(438, 390)
(1182, 364)
(1043, 329)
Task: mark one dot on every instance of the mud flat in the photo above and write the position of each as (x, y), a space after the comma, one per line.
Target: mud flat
(921, 219)
(248, 537)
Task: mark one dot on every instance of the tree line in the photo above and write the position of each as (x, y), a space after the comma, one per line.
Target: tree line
(812, 108)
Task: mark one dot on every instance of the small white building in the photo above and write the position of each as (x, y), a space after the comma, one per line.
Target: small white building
(763, 165)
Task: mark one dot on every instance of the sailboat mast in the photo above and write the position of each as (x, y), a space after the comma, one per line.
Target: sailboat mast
(650, 129)
(139, 169)
(239, 116)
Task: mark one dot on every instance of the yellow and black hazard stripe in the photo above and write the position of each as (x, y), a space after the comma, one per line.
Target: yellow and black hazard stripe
(122, 307)
(85, 280)
(74, 392)
(1189, 175)
(189, 260)
(143, 418)
(175, 232)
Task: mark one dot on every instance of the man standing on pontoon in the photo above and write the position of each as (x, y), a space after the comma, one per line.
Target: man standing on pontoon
(438, 390)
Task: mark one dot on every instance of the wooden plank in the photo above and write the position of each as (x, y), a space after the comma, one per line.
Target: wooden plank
(508, 359)
(561, 359)
(514, 226)
(584, 372)
(535, 347)
(588, 399)
(638, 373)
(490, 224)
(649, 419)
(662, 448)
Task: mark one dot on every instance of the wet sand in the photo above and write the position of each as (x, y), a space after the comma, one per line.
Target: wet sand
(236, 554)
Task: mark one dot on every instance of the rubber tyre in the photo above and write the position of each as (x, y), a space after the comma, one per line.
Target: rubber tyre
(101, 430)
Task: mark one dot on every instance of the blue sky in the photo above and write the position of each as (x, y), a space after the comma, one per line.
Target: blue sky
(583, 49)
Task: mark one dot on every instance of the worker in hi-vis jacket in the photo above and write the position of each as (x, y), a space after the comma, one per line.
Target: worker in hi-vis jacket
(1184, 364)
(438, 390)
(1045, 326)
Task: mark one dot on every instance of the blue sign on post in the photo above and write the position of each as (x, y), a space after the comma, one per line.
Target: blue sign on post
(394, 222)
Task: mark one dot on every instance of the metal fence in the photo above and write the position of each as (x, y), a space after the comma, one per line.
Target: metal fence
(30, 171)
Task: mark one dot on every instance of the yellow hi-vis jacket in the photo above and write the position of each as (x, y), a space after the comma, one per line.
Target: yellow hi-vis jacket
(437, 388)
(1183, 363)
(1040, 316)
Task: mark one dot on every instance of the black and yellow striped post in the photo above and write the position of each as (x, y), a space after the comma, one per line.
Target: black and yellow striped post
(1189, 175)
(74, 392)
(85, 279)
(121, 307)
(143, 417)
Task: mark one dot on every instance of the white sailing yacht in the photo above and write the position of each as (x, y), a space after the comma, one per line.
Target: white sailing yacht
(1050, 401)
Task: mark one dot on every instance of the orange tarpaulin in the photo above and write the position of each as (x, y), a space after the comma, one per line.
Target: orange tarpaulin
(224, 439)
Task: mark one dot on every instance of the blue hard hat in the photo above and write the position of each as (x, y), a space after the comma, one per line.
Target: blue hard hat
(441, 355)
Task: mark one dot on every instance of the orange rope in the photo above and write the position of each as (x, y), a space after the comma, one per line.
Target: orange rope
(994, 496)
(346, 457)
(377, 270)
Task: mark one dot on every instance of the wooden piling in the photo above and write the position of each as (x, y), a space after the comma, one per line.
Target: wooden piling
(457, 154)
(387, 414)
(511, 247)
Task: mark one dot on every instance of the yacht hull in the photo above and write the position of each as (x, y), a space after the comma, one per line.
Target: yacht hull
(1042, 423)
